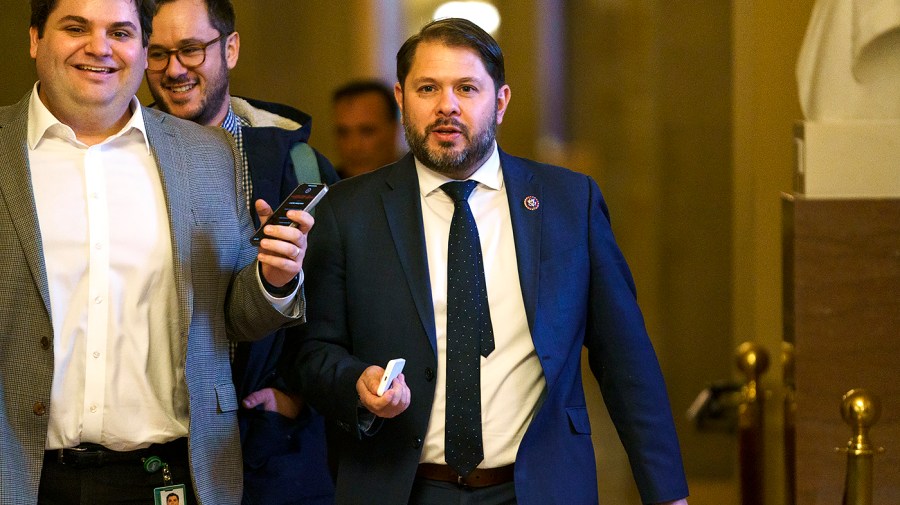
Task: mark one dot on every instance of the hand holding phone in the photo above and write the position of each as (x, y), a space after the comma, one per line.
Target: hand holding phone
(303, 197)
(391, 371)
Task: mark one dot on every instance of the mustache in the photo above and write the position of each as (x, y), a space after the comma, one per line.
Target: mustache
(449, 121)
(169, 81)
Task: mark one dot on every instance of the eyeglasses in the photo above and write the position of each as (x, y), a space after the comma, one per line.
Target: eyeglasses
(190, 57)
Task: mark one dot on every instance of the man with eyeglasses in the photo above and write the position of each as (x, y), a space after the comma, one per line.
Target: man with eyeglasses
(193, 46)
(125, 274)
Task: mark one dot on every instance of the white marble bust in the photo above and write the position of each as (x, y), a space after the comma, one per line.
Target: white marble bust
(849, 65)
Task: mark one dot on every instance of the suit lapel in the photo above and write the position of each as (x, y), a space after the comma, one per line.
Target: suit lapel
(16, 190)
(170, 157)
(404, 216)
(521, 183)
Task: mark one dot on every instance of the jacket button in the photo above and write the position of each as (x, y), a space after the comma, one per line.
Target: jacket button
(39, 409)
(429, 374)
(417, 443)
(45, 343)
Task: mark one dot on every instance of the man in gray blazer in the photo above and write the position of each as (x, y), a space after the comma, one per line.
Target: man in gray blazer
(125, 265)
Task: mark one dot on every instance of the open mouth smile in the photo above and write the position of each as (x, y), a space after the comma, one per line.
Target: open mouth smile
(181, 87)
(95, 69)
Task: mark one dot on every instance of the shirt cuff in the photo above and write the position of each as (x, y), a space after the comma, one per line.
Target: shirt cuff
(282, 299)
(366, 420)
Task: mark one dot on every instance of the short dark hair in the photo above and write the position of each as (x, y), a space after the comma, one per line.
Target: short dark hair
(455, 32)
(221, 14)
(41, 9)
(361, 87)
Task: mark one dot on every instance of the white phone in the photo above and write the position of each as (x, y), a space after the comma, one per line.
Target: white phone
(391, 371)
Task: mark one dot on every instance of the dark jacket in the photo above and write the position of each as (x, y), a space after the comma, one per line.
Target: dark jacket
(284, 459)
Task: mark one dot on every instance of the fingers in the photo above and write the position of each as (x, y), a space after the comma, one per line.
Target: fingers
(301, 219)
(292, 235)
(274, 400)
(394, 401)
(263, 210)
(399, 393)
(263, 397)
(283, 241)
(367, 384)
(282, 250)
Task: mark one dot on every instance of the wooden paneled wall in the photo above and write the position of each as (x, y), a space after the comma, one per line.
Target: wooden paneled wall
(842, 313)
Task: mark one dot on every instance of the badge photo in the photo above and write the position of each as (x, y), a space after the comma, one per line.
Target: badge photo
(170, 495)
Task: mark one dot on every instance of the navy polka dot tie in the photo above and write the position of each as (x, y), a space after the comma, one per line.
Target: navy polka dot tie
(469, 333)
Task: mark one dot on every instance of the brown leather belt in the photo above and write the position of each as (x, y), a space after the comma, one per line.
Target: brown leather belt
(479, 477)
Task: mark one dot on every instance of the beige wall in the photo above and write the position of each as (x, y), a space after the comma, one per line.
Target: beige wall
(651, 104)
(767, 36)
(297, 52)
(682, 111)
(19, 75)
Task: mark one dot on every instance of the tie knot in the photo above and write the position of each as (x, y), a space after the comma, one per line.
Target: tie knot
(459, 191)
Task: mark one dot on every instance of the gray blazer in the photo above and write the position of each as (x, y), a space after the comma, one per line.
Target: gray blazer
(217, 290)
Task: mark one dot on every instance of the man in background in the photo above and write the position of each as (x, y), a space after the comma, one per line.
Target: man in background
(125, 275)
(192, 48)
(366, 127)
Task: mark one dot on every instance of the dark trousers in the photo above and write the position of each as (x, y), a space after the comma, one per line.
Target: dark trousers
(435, 492)
(118, 482)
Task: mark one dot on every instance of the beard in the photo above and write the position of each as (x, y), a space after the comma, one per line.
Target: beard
(210, 102)
(444, 160)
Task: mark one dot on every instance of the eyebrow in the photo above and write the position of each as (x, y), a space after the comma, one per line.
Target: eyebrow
(85, 21)
(181, 43)
(459, 80)
(77, 19)
(125, 24)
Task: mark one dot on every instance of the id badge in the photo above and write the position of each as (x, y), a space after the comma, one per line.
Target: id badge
(170, 495)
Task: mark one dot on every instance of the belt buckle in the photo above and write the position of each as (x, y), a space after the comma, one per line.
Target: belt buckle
(80, 457)
(461, 481)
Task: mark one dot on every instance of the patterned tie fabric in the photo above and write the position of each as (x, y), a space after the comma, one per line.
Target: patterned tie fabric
(469, 333)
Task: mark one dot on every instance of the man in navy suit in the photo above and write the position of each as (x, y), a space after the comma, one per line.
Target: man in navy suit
(379, 277)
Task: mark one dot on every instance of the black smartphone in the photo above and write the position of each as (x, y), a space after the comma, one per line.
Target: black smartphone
(304, 197)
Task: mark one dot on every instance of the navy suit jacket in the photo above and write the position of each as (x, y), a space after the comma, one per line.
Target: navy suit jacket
(369, 300)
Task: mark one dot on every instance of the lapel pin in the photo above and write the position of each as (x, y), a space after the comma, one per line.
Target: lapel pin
(531, 202)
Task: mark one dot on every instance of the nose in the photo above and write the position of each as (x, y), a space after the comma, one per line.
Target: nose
(175, 68)
(448, 105)
(355, 142)
(98, 44)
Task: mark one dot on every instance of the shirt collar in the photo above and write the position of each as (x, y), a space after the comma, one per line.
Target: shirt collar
(42, 122)
(488, 174)
(230, 122)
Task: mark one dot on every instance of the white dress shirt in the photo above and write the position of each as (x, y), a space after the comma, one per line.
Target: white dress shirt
(118, 375)
(512, 381)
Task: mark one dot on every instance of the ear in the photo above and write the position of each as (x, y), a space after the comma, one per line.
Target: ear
(503, 95)
(33, 36)
(232, 50)
(398, 96)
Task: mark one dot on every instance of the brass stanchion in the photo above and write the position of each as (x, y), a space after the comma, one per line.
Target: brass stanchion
(859, 409)
(753, 360)
(790, 426)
